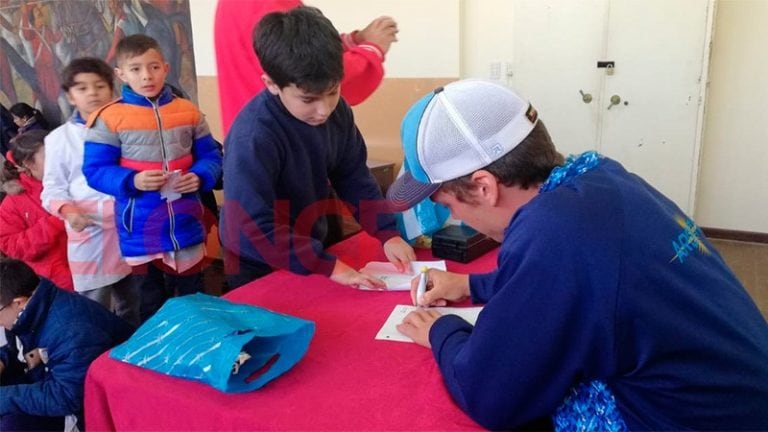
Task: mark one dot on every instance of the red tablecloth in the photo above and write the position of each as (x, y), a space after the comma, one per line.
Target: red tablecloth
(348, 380)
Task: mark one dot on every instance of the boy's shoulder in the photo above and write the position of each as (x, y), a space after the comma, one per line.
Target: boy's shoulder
(99, 112)
(60, 134)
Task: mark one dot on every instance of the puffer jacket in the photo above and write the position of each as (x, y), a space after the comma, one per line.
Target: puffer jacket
(72, 331)
(133, 134)
(30, 234)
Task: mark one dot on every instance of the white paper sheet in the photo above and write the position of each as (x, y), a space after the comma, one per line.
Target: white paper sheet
(395, 280)
(389, 329)
(167, 191)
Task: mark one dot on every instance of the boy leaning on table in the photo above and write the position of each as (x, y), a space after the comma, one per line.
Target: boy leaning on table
(289, 149)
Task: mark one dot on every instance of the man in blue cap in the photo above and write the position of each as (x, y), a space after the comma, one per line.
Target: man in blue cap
(606, 294)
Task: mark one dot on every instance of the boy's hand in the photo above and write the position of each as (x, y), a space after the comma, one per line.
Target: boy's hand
(442, 287)
(187, 183)
(382, 31)
(149, 180)
(399, 253)
(76, 219)
(346, 275)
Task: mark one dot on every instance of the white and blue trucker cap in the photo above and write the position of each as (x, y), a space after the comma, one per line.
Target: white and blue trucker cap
(454, 131)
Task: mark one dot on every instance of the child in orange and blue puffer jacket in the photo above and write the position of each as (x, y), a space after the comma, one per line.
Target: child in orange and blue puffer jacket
(154, 153)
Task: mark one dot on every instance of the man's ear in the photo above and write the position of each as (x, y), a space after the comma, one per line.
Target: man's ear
(487, 189)
(270, 85)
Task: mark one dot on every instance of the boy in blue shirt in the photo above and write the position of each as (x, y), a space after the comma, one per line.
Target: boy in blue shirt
(289, 149)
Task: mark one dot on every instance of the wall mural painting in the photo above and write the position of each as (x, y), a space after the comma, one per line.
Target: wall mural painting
(39, 37)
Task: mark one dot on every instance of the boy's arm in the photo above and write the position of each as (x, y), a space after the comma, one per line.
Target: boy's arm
(101, 163)
(364, 53)
(207, 154)
(363, 72)
(254, 223)
(56, 175)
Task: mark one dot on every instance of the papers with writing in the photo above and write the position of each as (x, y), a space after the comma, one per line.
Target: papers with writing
(389, 329)
(395, 280)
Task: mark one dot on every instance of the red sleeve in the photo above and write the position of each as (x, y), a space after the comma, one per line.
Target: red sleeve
(363, 72)
(27, 240)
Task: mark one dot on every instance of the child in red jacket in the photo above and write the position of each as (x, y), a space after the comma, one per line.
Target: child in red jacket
(28, 232)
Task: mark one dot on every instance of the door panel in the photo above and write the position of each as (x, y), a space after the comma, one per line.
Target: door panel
(658, 47)
(556, 44)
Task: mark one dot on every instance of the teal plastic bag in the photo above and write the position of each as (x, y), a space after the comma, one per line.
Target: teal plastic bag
(233, 347)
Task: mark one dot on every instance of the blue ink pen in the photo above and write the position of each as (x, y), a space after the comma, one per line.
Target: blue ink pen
(422, 288)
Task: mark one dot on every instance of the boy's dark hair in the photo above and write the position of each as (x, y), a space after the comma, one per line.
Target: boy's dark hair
(87, 65)
(135, 45)
(527, 165)
(23, 148)
(16, 280)
(299, 47)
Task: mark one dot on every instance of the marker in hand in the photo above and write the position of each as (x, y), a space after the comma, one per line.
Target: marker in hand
(422, 288)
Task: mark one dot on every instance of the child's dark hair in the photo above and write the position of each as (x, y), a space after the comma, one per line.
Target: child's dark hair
(16, 280)
(299, 47)
(135, 45)
(23, 148)
(24, 110)
(86, 65)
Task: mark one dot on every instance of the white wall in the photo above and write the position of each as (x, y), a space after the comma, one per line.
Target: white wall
(429, 31)
(451, 38)
(733, 181)
(486, 38)
(202, 13)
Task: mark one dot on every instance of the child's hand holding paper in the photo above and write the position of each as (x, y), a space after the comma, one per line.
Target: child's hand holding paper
(168, 191)
(395, 280)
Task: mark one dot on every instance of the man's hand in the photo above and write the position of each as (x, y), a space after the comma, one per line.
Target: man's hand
(399, 253)
(149, 180)
(442, 287)
(416, 325)
(346, 275)
(382, 31)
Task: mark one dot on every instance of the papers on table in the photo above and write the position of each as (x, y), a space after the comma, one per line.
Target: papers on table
(389, 329)
(395, 280)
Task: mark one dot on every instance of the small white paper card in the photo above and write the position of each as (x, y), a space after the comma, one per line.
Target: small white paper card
(389, 329)
(167, 191)
(395, 280)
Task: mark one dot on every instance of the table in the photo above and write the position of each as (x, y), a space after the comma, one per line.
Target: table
(348, 380)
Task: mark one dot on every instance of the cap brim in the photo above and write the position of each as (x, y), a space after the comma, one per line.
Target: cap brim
(406, 192)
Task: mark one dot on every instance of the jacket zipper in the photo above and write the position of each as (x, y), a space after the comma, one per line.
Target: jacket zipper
(169, 206)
